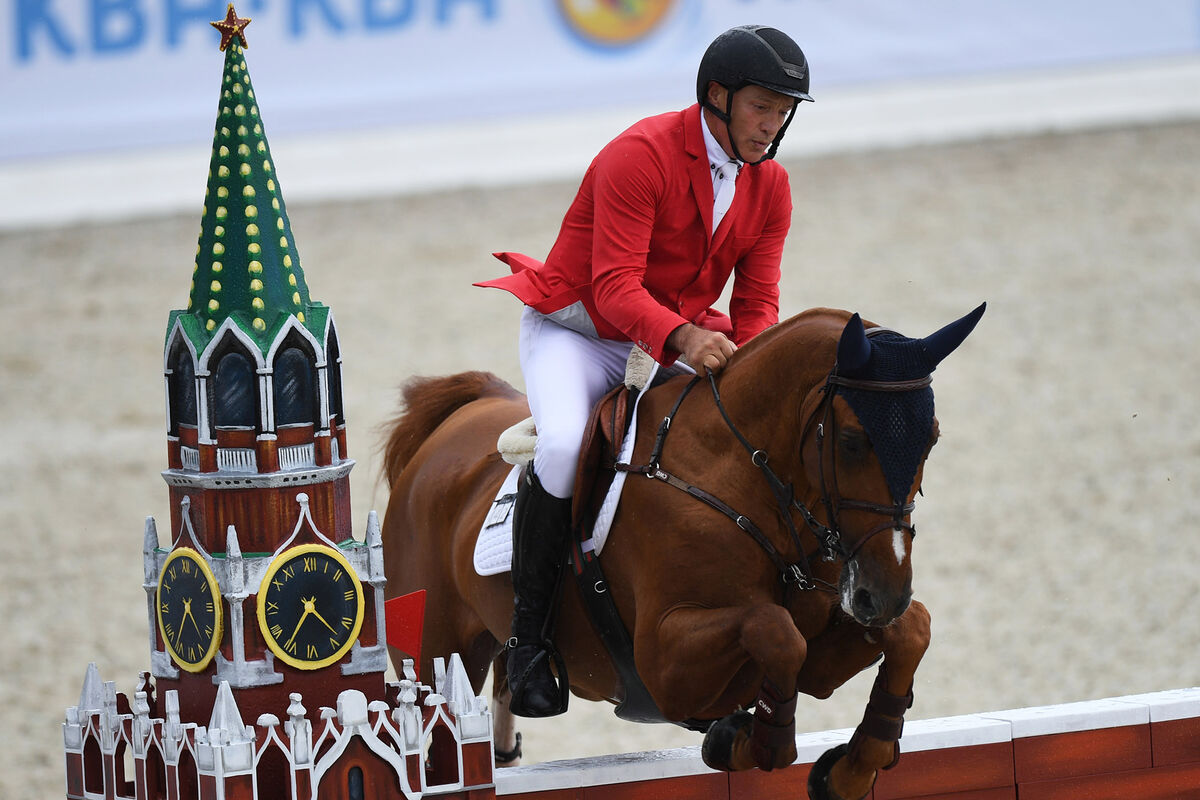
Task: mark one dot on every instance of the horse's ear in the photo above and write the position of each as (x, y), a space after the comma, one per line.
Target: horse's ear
(942, 343)
(854, 349)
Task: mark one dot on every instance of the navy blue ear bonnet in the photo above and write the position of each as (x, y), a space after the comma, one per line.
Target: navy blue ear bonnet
(898, 423)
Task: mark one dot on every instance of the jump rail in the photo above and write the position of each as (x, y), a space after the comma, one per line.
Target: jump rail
(1138, 746)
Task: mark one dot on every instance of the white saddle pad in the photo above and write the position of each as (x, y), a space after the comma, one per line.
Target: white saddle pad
(493, 547)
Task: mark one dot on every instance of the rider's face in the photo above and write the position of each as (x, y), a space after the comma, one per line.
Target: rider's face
(755, 119)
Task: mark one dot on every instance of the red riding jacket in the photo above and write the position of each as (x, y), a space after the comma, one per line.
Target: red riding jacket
(635, 247)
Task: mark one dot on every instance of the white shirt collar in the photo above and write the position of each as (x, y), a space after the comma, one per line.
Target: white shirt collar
(716, 154)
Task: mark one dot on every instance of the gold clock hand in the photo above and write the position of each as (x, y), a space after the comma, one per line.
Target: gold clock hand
(187, 614)
(317, 614)
(303, 617)
(309, 607)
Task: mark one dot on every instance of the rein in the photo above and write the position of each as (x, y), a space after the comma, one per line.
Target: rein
(798, 573)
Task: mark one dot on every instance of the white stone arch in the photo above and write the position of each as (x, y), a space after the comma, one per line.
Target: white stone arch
(290, 325)
(293, 326)
(176, 337)
(352, 713)
(332, 379)
(229, 328)
(175, 334)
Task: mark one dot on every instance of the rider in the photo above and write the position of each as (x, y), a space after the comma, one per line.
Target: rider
(666, 213)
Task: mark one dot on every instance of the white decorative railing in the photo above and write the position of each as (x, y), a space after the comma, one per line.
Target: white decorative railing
(190, 458)
(236, 459)
(299, 455)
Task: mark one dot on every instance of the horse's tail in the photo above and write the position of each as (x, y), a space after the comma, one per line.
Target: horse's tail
(427, 402)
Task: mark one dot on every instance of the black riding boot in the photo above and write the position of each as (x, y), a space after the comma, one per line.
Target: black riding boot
(540, 525)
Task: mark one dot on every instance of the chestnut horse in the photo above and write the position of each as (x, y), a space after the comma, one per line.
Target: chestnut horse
(812, 444)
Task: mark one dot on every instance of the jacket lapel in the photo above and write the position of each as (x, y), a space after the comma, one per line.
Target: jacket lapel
(698, 170)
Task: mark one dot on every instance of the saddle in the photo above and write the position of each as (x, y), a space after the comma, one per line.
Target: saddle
(602, 441)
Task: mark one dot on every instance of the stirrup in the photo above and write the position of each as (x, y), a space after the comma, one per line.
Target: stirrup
(546, 652)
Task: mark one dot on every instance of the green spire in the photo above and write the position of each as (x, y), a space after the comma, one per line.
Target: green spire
(247, 266)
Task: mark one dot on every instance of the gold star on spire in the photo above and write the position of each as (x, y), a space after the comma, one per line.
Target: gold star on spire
(231, 27)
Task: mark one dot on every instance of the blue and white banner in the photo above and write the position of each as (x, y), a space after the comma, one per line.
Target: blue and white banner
(95, 75)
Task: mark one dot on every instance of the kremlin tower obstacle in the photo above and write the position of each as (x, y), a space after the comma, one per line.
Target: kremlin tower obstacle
(267, 633)
(266, 617)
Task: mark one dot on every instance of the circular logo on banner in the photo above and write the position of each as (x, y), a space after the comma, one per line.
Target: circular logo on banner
(614, 23)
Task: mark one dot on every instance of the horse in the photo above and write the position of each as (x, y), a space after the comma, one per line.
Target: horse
(794, 574)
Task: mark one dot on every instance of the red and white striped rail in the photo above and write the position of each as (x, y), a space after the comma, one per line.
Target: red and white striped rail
(1138, 746)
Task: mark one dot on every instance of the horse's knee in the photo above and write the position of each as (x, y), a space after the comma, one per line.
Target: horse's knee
(907, 639)
(771, 638)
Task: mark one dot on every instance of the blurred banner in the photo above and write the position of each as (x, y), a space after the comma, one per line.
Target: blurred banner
(96, 75)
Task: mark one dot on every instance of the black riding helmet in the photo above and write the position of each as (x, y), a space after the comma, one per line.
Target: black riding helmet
(753, 54)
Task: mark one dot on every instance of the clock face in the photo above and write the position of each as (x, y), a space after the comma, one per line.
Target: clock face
(189, 609)
(310, 606)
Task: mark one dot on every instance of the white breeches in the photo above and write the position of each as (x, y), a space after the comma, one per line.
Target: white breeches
(566, 374)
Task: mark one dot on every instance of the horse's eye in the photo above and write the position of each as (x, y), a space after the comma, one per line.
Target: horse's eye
(853, 445)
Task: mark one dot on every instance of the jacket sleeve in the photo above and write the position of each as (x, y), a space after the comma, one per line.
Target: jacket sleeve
(629, 191)
(754, 302)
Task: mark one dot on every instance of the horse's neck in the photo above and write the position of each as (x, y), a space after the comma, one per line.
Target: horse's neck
(764, 386)
(769, 379)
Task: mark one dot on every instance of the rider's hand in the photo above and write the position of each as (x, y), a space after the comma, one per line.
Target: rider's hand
(701, 348)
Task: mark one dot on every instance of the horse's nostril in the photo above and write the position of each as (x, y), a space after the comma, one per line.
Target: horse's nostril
(865, 607)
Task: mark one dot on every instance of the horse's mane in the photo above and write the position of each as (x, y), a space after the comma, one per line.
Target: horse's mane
(787, 328)
(427, 402)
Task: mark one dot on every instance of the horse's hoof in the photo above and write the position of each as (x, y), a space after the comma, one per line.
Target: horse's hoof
(717, 750)
(818, 777)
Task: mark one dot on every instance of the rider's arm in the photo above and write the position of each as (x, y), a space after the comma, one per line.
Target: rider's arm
(630, 183)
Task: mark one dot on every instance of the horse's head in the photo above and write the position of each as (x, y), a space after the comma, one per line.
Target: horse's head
(871, 426)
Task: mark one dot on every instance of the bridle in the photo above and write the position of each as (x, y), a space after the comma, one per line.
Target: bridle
(831, 546)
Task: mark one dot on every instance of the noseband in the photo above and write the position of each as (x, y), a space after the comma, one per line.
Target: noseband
(799, 573)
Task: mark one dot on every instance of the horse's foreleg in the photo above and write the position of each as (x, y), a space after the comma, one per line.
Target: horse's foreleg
(875, 743)
(696, 656)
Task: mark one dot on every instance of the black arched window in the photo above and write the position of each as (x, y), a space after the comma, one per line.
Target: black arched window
(234, 392)
(354, 784)
(181, 390)
(295, 398)
(334, 370)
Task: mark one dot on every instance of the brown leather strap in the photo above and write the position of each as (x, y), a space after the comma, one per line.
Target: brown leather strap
(884, 702)
(883, 718)
(882, 386)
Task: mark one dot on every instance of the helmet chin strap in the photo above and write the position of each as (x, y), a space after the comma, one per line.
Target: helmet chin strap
(774, 148)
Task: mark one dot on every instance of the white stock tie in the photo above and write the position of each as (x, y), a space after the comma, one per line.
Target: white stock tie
(723, 197)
